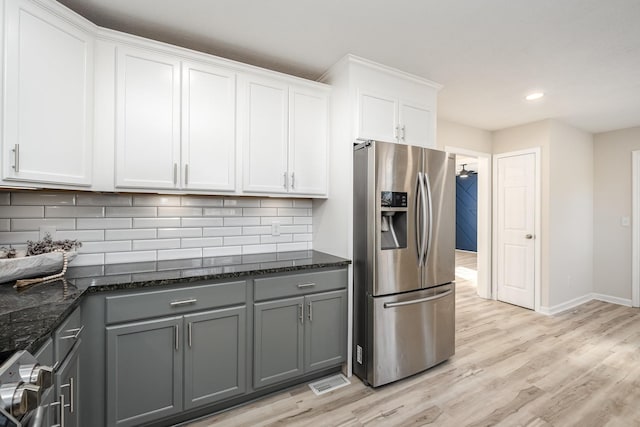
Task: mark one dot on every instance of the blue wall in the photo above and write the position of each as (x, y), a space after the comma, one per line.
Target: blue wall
(467, 213)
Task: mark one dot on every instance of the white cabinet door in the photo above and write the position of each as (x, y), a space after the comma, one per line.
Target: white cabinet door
(416, 124)
(265, 136)
(48, 93)
(307, 141)
(147, 119)
(377, 117)
(208, 128)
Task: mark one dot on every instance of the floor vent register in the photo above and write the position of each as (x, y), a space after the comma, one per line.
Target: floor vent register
(325, 385)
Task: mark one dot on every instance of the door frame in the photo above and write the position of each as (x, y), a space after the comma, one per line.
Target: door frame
(536, 151)
(635, 228)
(484, 254)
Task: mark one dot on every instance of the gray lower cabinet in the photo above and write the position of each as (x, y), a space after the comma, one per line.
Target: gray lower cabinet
(160, 367)
(67, 387)
(144, 371)
(295, 336)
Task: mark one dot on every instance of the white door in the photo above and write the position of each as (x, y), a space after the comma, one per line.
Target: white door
(516, 209)
(416, 125)
(265, 136)
(48, 98)
(208, 128)
(377, 117)
(307, 141)
(147, 120)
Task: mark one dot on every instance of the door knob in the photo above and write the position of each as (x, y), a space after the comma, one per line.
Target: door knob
(528, 236)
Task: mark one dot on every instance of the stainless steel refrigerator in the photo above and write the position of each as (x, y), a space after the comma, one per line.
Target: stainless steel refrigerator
(404, 260)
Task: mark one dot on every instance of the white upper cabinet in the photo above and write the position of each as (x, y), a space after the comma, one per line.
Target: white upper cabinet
(284, 138)
(147, 119)
(416, 124)
(48, 90)
(208, 128)
(378, 118)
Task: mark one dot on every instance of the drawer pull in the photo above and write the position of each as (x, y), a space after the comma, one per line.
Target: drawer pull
(75, 331)
(184, 302)
(306, 285)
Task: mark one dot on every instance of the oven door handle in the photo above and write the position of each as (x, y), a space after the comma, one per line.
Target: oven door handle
(417, 301)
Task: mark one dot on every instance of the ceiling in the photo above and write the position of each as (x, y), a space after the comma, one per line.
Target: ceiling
(584, 54)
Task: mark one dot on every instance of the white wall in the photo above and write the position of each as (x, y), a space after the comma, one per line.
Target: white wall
(450, 134)
(612, 201)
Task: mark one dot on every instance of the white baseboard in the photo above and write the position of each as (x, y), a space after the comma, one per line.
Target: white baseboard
(550, 311)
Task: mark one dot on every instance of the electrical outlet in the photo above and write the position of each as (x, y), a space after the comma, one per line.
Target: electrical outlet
(50, 229)
(359, 354)
(275, 228)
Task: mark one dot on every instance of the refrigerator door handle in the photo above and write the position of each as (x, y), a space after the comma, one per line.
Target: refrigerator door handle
(428, 243)
(423, 237)
(417, 301)
(417, 217)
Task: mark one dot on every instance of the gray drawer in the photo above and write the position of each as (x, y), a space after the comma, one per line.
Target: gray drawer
(44, 355)
(299, 284)
(67, 335)
(142, 305)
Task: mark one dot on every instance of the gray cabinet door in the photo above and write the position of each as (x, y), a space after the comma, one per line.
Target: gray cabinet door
(325, 340)
(278, 341)
(67, 380)
(144, 371)
(215, 354)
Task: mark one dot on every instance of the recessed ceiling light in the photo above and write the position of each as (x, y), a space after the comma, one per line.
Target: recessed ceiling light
(534, 96)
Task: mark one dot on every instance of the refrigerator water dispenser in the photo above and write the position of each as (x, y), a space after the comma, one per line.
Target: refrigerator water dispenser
(393, 220)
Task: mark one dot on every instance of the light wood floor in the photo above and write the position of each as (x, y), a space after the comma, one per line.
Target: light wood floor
(512, 367)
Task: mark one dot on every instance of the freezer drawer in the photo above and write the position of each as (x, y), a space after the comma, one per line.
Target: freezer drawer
(411, 332)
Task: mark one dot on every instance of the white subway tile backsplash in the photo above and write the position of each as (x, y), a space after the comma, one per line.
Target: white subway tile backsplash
(276, 203)
(102, 223)
(299, 246)
(81, 235)
(89, 199)
(17, 237)
(130, 234)
(222, 212)
(179, 211)
(130, 212)
(146, 245)
(235, 222)
(258, 249)
(156, 222)
(38, 199)
(294, 212)
(21, 211)
(221, 231)
(260, 211)
(201, 201)
(105, 246)
(124, 257)
(179, 254)
(222, 251)
(202, 222)
(122, 228)
(35, 224)
(155, 200)
(74, 211)
(179, 232)
(242, 203)
(202, 242)
(241, 240)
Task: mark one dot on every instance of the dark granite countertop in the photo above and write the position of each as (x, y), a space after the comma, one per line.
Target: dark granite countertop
(29, 317)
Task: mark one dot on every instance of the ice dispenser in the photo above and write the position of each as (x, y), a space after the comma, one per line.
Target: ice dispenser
(393, 220)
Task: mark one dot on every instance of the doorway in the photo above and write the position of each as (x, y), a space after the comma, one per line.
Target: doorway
(516, 228)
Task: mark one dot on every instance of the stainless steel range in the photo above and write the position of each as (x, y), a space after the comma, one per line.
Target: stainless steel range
(25, 391)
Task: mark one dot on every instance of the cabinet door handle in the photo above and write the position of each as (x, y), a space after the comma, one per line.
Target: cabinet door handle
(306, 285)
(189, 327)
(403, 132)
(183, 302)
(16, 152)
(75, 331)
(301, 313)
(62, 405)
(176, 336)
(310, 312)
(285, 183)
(395, 132)
(71, 394)
(175, 174)
(186, 174)
(293, 180)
